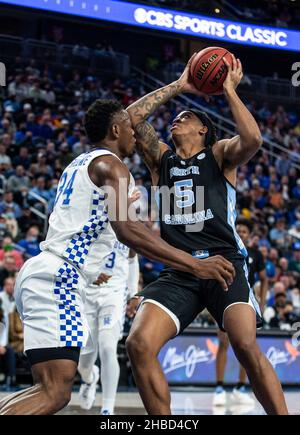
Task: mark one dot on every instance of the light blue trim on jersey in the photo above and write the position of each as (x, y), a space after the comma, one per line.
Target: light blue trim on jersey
(231, 218)
(200, 254)
(157, 198)
(251, 293)
(125, 297)
(78, 248)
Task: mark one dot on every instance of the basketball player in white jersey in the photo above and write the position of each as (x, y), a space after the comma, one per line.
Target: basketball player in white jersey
(105, 308)
(87, 217)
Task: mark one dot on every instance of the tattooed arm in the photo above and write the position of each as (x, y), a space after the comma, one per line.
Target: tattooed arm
(150, 148)
(145, 106)
(148, 143)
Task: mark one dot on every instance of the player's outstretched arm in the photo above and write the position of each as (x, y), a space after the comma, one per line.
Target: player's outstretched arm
(106, 172)
(145, 106)
(148, 144)
(141, 109)
(240, 149)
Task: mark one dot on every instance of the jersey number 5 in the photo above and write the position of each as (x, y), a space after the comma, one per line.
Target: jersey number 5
(66, 188)
(183, 190)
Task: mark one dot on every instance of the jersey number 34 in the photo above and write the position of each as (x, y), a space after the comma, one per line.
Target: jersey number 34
(65, 188)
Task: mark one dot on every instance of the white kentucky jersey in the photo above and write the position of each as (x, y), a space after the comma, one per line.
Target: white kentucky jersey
(79, 229)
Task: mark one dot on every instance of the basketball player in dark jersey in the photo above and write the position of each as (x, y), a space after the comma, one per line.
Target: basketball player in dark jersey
(172, 302)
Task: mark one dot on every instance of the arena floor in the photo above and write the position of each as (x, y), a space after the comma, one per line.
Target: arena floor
(184, 402)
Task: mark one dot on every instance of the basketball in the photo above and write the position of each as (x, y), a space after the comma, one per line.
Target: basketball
(209, 71)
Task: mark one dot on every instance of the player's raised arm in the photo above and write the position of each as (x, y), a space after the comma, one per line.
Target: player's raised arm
(141, 109)
(106, 172)
(241, 148)
(148, 143)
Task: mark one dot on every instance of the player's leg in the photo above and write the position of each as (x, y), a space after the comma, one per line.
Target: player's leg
(11, 397)
(111, 320)
(239, 394)
(85, 366)
(89, 373)
(53, 381)
(237, 311)
(48, 300)
(110, 368)
(219, 398)
(240, 324)
(221, 358)
(151, 329)
(242, 376)
(170, 305)
(87, 369)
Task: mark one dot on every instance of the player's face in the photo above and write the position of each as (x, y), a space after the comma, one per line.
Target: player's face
(187, 123)
(126, 134)
(243, 232)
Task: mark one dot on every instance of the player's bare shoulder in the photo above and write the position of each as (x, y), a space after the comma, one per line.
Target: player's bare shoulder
(107, 167)
(223, 149)
(218, 150)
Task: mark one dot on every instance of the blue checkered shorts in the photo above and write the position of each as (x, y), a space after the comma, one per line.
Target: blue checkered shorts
(48, 296)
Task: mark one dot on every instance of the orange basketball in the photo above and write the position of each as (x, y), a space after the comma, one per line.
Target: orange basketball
(209, 71)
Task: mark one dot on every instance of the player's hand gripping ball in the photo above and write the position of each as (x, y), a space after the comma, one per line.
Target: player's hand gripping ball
(209, 71)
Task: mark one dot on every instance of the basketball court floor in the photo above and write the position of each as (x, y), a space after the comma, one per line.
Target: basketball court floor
(187, 401)
(184, 402)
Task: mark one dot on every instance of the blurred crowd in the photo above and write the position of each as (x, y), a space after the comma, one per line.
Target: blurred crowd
(41, 132)
(280, 13)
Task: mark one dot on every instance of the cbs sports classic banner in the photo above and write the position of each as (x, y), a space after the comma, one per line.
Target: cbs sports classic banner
(170, 21)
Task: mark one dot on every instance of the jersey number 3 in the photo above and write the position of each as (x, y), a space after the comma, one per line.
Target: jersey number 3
(111, 261)
(66, 188)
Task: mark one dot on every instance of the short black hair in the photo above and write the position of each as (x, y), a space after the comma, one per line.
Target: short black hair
(211, 135)
(245, 223)
(98, 118)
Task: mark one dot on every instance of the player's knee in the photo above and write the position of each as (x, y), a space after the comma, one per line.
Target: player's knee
(58, 396)
(246, 349)
(107, 353)
(57, 390)
(138, 346)
(108, 342)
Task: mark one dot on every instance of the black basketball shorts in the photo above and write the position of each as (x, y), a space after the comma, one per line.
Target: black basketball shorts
(183, 296)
